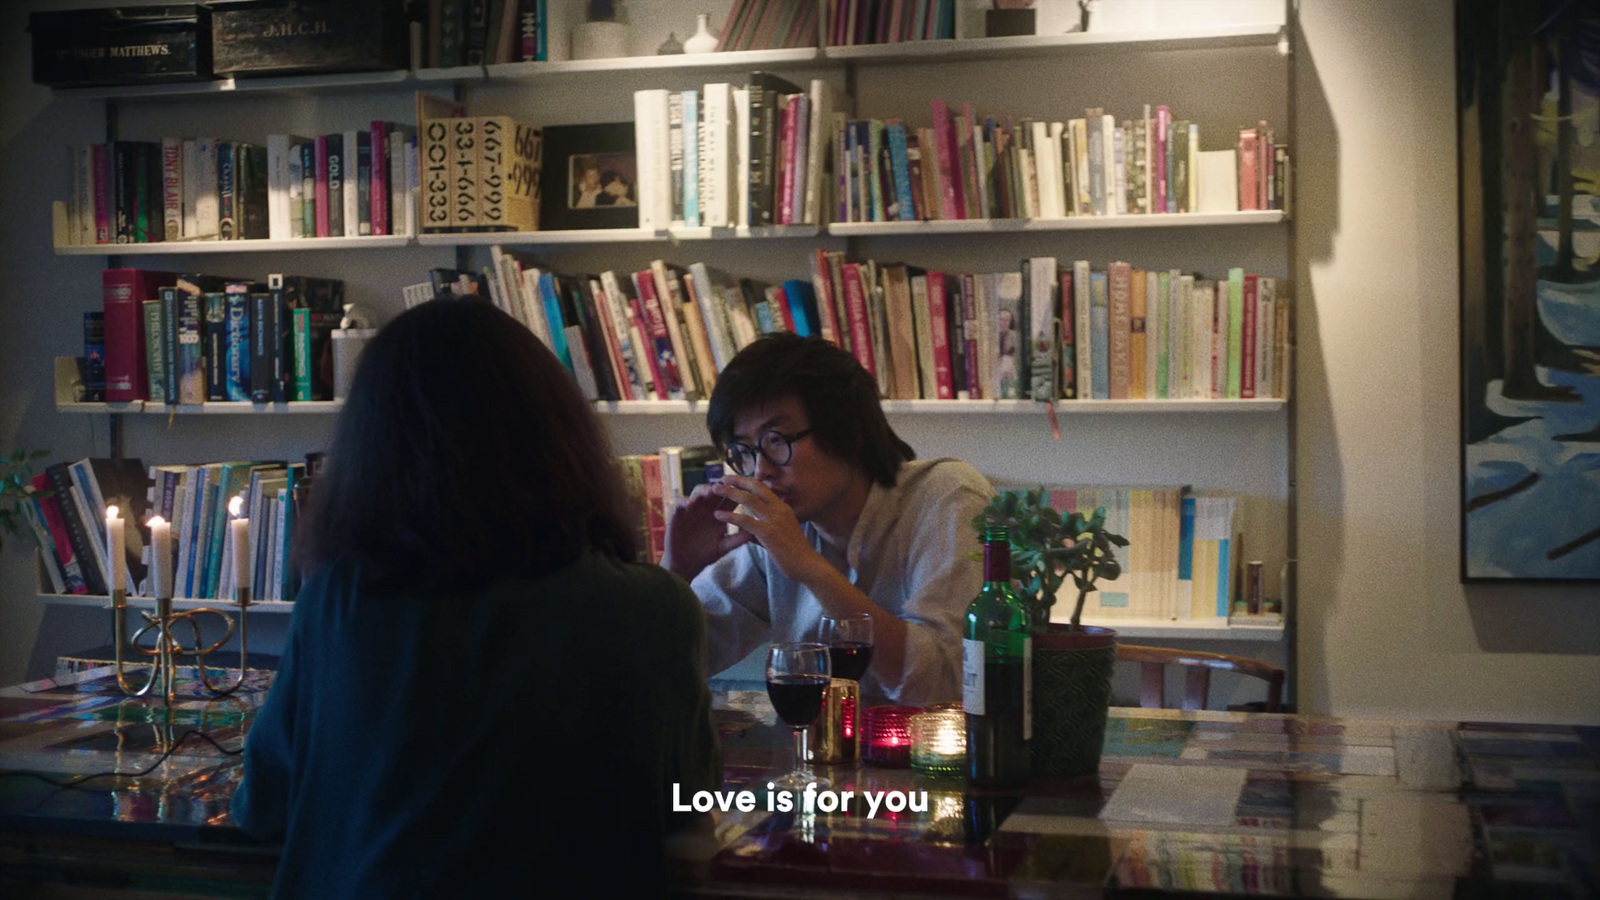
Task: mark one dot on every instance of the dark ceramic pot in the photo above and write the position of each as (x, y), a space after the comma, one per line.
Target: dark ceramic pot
(1071, 693)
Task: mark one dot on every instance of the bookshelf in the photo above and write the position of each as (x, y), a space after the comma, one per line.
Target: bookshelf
(1227, 76)
(912, 230)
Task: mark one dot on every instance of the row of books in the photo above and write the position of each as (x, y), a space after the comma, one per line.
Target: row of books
(657, 481)
(660, 333)
(769, 25)
(479, 173)
(1049, 331)
(966, 167)
(728, 156)
(346, 184)
(190, 338)
(485, 32)
(850, 22)
(67, 507)
(1181, 561)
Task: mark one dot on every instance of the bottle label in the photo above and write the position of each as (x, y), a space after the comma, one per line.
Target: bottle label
(1027, 688)
(972, 676)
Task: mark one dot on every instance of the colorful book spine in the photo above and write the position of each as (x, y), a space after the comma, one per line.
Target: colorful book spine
(1121, 277)
(1067, 316)
(1235, 333)
(1247, 340)
(1100, 322)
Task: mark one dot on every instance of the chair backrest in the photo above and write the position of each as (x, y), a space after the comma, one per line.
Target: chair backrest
(1197, 665)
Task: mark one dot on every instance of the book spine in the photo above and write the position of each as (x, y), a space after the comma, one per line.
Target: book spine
(61, 544)
(693, 144)
(78, 532)
(169, 345)
(147, 227)
(949, 199)
(1121, 352)
(172, 188)
(1069, 342)
(364, 192)
(302, 354)
(1100, 322)
(1247, 340)
(239, 381)
(939, 323)
(294, 174)
(124, 313)
(861, 342)
(1235, 333)
(972, 335)
(323, 215)
(260, 343)
(1136, 336)
(227, 187)
(338, 165)
(215, 336)
(154, 352)
(1158, 153)
(1247, 169)
(464, 199)
(104, 209)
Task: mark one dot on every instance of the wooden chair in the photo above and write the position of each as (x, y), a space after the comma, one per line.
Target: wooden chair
(1154, 660)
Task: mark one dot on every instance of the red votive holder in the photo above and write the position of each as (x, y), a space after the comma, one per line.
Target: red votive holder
(886, 736)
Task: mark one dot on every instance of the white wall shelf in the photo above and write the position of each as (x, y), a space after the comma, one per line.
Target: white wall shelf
(796, 57)
(1262, 35)
(94, 601)
(400, 79)
(981, 407)
(1214, 629)
(535, 238)
(1071, 223)
(759, 232)
(184, 248)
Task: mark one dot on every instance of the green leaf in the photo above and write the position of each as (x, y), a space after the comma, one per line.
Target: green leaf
(38, 454)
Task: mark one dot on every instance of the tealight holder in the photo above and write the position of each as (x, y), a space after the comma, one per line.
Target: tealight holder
(886, 736)
(939, 742)
(834, 737)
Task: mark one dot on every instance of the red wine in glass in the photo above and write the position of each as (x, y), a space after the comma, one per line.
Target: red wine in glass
(850, 659)
(797, 698)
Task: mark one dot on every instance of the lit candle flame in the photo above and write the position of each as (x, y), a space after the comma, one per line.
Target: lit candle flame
(111, 512)
(156, 520)
(235, 506)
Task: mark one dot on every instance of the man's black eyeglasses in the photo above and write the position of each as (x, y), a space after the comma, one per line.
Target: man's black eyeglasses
(775, 446)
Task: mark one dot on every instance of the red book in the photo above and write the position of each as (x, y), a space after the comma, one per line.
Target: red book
(779, 302)
(320, 158)
(1247, 341)
(57, 526)
(613, 348)
(823, 284)
(856, 307)
(1263, 166)
(1247, 169)
(1069, 347)
(662, 362)
(380, 177)
(102, 194)
(949, 168)
(654, 508)
(939, 322)
(969, 315)
(791, 126)
(123, 293)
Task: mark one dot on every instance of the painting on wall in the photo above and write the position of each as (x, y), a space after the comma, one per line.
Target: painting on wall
(1527, 88)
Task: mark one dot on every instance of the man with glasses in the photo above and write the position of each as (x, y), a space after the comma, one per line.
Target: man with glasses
(831, 514)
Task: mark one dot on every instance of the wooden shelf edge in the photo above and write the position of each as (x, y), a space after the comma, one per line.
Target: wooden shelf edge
(1215, 629)
(184, 248)
(1069, 223)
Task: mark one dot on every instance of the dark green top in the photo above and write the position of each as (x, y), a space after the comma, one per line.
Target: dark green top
(486, 743)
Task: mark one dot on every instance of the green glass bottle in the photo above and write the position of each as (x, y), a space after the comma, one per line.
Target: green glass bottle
(997, 674)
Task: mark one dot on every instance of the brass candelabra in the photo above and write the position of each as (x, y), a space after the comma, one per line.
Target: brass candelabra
(167, 649)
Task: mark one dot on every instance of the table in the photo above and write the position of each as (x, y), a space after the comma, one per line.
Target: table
(1189, 803)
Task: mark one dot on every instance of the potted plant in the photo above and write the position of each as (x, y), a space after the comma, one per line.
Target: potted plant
(16, 478)
(1072, 662)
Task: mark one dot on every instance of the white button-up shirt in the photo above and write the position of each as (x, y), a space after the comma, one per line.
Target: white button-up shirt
(911, 553)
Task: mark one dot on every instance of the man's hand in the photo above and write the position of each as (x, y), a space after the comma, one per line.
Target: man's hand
(695, 537)
(770, 522)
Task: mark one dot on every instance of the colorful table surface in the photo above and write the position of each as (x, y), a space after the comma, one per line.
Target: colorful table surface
(1187, 802)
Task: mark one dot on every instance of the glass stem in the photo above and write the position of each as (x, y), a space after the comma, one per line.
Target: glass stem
(802, 765)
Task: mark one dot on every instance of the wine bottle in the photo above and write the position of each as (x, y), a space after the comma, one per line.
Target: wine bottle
(997, 674)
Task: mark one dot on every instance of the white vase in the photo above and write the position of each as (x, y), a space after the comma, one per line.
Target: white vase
(703, 41)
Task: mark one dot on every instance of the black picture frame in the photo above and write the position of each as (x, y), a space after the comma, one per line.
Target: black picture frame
(606, 152)
(1530, 293)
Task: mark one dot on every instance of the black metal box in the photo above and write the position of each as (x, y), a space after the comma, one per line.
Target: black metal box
(126, 45)
(299, 37)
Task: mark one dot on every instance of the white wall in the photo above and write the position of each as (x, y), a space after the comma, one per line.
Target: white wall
(1385, 626)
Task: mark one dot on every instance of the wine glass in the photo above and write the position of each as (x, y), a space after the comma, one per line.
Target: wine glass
(797, 679)
(849, 640)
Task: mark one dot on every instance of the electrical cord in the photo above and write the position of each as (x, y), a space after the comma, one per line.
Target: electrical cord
(76, 783)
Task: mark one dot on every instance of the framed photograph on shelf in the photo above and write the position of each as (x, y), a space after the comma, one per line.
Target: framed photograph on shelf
(590, 177)
(1527, 82)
